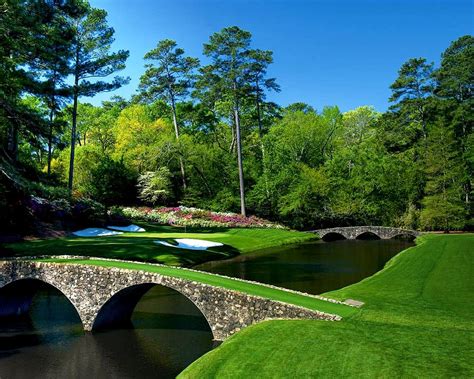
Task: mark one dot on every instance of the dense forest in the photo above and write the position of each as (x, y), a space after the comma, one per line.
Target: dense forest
(205, 135)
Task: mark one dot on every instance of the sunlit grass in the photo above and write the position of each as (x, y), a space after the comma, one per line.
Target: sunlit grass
(417, 323)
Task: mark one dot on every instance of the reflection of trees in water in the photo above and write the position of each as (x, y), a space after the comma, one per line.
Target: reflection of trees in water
(35, 312)
(163, 316)
(313, 267)
(170, 333)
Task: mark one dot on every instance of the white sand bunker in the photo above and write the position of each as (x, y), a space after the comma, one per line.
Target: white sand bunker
(95, 232)
(190, 244)
(131, 228)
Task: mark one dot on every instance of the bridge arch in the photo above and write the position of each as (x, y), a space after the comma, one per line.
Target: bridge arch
(367, 235)
(117, 310)
(403, 236)
(333, 236)
(354, 232)
(16, 297)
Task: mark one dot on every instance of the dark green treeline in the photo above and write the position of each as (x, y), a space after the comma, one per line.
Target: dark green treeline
(206, 136)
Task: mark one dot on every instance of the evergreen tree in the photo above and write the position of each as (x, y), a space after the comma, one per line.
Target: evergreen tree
(169, 80)
(455, 87)
(227, 74)
(53, 62)
(92, 62)
(411, 90)
(442, 206)
(259, 60)
(24, 30)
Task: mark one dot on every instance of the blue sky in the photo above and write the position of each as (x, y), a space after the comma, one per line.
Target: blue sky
(338, 52)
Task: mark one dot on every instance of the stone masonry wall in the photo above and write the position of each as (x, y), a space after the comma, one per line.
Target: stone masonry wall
(352, 232)
(90, 287)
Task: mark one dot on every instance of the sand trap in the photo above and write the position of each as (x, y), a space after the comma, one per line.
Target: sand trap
(131, 228)
(95, 232)
(190, 244)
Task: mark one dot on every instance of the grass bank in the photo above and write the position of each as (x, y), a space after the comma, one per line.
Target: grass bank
(417, 322)
(219, 281)
(140, 246)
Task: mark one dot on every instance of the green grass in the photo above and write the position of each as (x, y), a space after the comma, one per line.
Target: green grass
(140, 246)
(417, 322)
(218, 281)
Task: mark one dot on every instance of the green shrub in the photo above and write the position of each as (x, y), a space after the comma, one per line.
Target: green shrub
(112, 183)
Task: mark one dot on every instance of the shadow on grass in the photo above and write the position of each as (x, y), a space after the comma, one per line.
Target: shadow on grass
(136, 248)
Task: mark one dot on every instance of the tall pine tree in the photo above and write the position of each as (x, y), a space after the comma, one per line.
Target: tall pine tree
(169, 80)
(227, 74)
(92, 61)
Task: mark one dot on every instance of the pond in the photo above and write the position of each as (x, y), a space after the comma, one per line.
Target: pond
(167, 331)
(313, 267)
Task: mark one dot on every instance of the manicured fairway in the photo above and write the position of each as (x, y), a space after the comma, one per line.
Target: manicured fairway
(219, 281)
(417, 322)
(140, 246)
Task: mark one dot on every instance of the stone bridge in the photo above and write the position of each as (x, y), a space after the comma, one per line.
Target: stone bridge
(354, 232)
(107, 296)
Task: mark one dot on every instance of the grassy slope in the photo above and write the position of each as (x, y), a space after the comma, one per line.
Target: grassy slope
(140, 246)
(417, 322)
(218, 281)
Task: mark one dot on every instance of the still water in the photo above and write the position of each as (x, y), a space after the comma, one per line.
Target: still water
(168, 330)
(168, 334)
(313, 267)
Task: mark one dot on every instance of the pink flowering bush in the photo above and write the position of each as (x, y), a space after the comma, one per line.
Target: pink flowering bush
(194, 217)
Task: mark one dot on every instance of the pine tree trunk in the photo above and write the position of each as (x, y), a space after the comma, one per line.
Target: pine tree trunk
(259, 116)
(260, 133)
(73, 142)
(239, 154)
(50, 140)
(176, 130)
(74, 123)
(13, 142)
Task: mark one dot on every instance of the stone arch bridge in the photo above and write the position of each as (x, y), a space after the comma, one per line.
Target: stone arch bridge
(354, 232)
(108, 295)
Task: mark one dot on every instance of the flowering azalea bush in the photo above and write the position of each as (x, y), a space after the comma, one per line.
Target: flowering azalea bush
(194, 217)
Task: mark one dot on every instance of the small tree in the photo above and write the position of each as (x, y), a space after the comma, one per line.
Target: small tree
(155, 186)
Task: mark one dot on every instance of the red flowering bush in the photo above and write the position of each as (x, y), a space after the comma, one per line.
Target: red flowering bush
(194, 217)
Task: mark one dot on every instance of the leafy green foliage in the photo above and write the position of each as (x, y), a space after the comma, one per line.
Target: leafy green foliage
(112, 183)
(442, 206)
(172, 77)
(411, 166)
(169, 81)
(92, 61)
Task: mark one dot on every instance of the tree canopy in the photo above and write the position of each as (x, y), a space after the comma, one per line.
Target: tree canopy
(206, 136)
